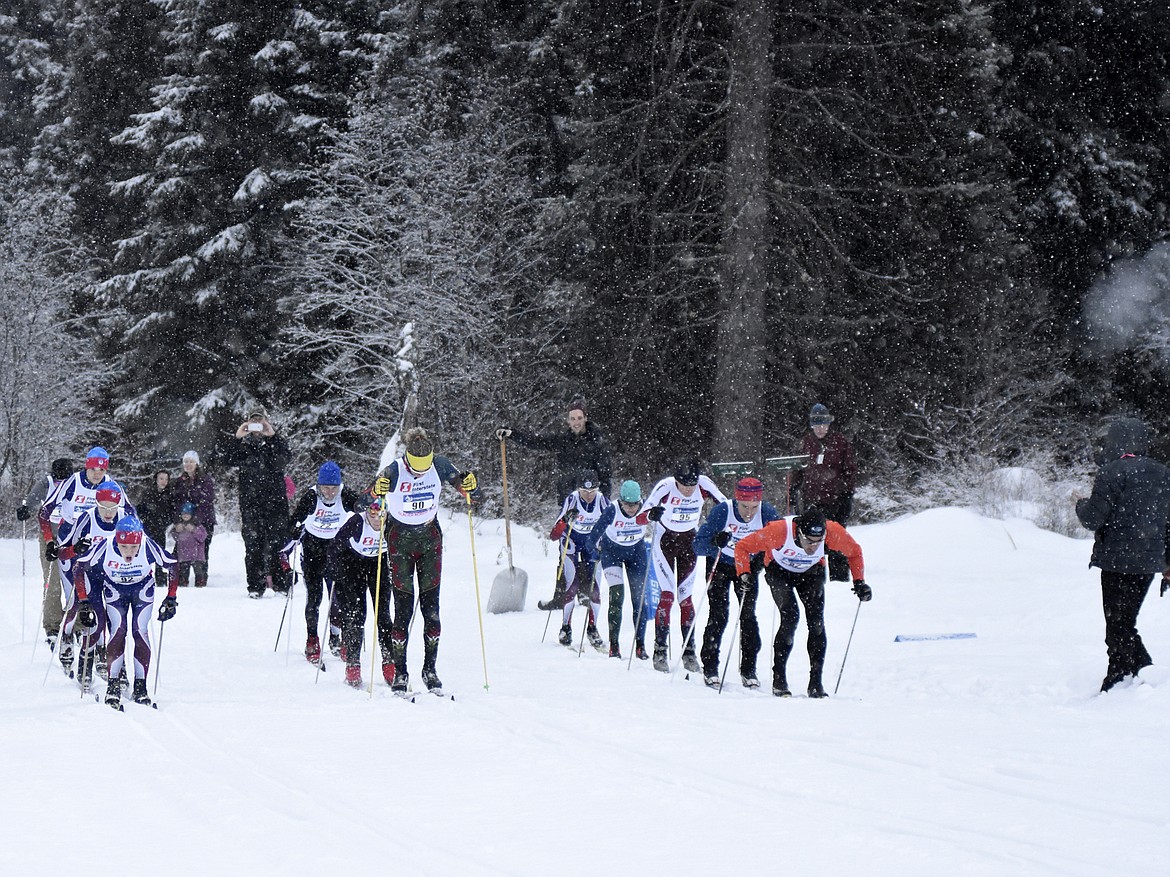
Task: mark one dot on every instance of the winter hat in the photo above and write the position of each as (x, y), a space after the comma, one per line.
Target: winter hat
(187, 509)
(61, 469)
(578, 405)
(819, 415)
(420, 453)
(329, 474)
(749, 489)
(108, 492)
(687, 472)
(128, 531)
(257, 413)
(193, 456)
(630, 491)
(587, 480)
(97, 458)
(811, 524)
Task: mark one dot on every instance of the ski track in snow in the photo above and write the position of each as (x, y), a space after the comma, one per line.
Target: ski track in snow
(986, 756)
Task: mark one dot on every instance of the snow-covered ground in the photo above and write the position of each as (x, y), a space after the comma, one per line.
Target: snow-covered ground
(992, 755)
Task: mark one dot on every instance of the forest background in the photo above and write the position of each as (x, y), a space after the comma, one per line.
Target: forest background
(946, 220)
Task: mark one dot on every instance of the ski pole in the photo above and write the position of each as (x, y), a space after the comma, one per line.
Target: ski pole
(847, 644)
(641, 610)
(378, 589)
(23, 534)
(328, 613)
(162, 626)
(478, 606)
(691, 633)
(560, 571)
(60, 645)
(287, 595)
(734, 632)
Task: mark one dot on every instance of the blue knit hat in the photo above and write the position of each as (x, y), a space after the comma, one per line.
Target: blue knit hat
(329, 473)
(819, 416)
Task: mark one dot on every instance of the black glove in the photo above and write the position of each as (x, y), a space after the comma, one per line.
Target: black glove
(86, 617)
(83, 545)
(23, 512)
(747, 579)
(569, 516)
(503, 432)
(655, 514)
(863, 591)
(722, 538)
(51, 549)
(167, 610)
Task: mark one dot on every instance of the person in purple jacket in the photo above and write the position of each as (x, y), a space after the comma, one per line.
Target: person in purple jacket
(197, 487)
(190, 547)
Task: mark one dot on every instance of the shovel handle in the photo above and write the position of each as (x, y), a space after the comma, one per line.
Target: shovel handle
(507, 509)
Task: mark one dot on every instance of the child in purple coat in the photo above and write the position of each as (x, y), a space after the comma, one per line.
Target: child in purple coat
(190, 546)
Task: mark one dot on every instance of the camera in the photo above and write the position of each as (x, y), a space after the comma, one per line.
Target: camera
(255, 427)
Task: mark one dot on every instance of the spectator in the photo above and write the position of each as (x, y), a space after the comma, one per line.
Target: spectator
(190, 547)
(156, 507)
(261, 456)
(1129, 514)
(828, 482)
(197, 487)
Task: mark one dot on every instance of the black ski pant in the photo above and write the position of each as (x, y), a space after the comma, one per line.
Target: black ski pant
(428, 604)
(416, 559)
(718, 606)
(357, 576)
(264, 536)
(1122, 595)
(809, 586)
(318, 578)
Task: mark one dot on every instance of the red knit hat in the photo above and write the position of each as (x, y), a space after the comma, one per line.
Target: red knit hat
(749, 489)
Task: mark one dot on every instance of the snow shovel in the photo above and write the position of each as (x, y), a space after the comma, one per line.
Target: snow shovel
(510, 586)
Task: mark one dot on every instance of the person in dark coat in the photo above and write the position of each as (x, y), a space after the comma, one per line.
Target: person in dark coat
(156, 507)
(196, 486)
(1129, 514)
(829, 480)
(261, 455)
(582, 447)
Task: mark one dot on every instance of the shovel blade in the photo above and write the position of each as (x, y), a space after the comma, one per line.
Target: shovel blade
(509, 591)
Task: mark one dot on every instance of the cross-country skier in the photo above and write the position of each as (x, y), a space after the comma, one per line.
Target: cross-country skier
(794, 566)
(318, 515)
(676, 504)
(352, 557)
(414, 543)
(121, 574)
(620, 540)
(42, 487)
(73, 496)
(728, 523)
(574, 532)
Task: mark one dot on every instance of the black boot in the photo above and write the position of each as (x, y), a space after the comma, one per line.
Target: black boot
(557, 601)
(114, 694)
(140, 695)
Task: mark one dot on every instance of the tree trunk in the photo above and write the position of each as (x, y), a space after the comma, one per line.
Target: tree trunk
(748, 236)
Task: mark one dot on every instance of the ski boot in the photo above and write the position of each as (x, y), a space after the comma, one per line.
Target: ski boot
(65, 655)
(431, 681)
(353, 675)
(565, 637)
(140, 695)
(335, 643)
(660, 664)
(101, 667)
(749, 680)
(711, 678)
(780, 686)
(615, 650)
(51, 639)
(640, 651)
(815, 689)
(594, 637)
(401, 683)
(85, 662)
(389, 672)
(690, 662)
(114, 694)
(313, 649)
(557, 601)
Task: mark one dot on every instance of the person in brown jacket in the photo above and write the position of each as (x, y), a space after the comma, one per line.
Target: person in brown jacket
(829, 480)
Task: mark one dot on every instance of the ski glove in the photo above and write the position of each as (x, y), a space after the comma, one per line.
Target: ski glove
(83, 545)
(655, 514)
(86, 617)
(583, 598)
(747, 579)
(51, 549)
(468, 482)
(23, 513)
(863, 591)
(381, 486)
(569, 516)
(721, 538)
(167, 610)
(503, 432)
